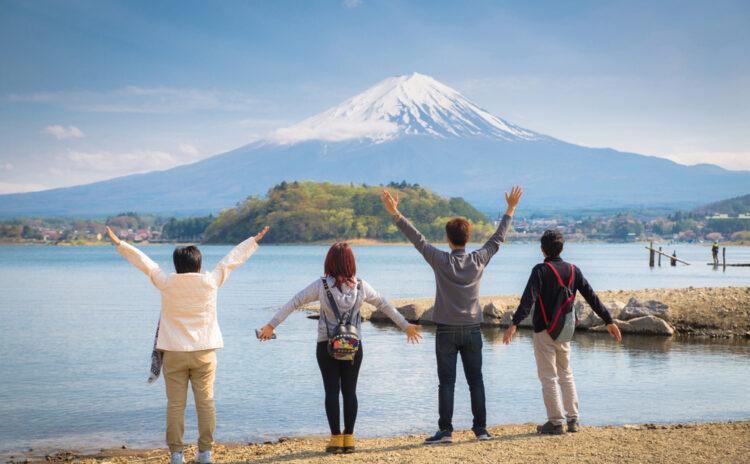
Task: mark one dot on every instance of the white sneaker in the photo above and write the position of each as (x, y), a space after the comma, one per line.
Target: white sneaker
(204, 457)
(177, 458)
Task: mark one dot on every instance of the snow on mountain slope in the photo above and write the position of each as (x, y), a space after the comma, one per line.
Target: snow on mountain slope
(403, 105)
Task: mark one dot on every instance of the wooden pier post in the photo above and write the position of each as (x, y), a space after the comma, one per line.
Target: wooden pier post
(651, 255)
(724, 257)
(659, 257)
(673, 261)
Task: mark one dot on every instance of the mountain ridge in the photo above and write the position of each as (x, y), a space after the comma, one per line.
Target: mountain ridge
(410, 128)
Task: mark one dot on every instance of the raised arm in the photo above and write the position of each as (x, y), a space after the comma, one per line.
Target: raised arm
(236, 258)
(493, 244)
(139, 259)
(429, 252)
(374, 298)
(308, 295)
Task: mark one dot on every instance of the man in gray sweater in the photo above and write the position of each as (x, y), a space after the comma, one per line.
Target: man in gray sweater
(457, 312)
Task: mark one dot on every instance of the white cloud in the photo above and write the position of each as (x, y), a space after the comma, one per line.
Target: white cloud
(188, 149)
(18, 187)
(130, 162)
(135, 99)
(62, 132)
(352, 3)
(729, 160)
(6, 167)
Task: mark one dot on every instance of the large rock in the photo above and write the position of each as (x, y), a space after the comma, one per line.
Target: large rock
(637, 308)
(496, 315)
(646, 325)
(411, 313)
(426, 318)
(587, 318)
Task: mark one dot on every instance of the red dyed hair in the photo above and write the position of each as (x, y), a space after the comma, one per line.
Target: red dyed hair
(340, 264)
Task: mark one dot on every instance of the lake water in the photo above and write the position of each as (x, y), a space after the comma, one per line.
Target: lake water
(78, 324)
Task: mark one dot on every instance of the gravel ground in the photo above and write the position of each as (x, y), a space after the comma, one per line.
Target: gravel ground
(679, 443)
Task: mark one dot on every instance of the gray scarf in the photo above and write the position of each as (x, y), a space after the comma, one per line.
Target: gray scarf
(157, 358)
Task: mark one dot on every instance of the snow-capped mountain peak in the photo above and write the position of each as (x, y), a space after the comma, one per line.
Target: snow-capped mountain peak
(403, 105)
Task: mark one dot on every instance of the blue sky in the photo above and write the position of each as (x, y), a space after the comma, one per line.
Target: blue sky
(91, 90)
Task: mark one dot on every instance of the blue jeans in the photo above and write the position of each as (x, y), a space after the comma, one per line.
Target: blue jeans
(450, 341)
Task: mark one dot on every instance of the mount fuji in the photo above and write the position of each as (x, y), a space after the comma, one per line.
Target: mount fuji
(411, 128)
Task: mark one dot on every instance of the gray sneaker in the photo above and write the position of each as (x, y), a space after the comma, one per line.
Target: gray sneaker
(177, 458)
(443, 436)
(204, 457)
(482, 435)
(573, 425)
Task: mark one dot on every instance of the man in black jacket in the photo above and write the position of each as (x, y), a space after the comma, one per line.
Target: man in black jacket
(550, 292)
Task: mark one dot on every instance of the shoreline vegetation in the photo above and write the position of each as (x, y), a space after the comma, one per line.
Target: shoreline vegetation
(720, 312)
(322, 212)
(712, 442)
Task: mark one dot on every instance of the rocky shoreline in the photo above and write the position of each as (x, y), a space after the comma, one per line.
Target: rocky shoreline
(711, 312)
(725, 442)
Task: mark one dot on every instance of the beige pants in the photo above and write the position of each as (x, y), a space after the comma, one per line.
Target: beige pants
(199, 368)
(553, 367)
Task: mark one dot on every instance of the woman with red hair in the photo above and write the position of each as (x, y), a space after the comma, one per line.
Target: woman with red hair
(339, 376)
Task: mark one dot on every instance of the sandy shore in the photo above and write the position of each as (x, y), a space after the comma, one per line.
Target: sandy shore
(678, 443)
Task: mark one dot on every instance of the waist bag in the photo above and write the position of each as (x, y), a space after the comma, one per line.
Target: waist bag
(561, 323)
(343, 343)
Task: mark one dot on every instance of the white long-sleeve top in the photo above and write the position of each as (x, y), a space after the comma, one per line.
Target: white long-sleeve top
(188, 301)
(345, 300)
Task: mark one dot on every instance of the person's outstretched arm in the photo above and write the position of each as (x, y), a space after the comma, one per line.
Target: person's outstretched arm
(493, 244)
(582, 285)
(236, 258)
(374, 298)
(429, 252)
(308, 295)
(528, 299)
(139, 259)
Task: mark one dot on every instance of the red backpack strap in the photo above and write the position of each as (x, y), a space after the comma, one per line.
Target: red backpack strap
(557, 274)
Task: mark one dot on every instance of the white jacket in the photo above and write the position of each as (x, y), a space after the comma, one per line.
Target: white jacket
(188, 301)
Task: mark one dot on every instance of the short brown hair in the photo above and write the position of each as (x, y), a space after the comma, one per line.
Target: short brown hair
(458, 231)
(340, 264)
(552, 243)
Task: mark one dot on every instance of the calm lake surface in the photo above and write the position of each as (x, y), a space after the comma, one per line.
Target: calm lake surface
(78, 326)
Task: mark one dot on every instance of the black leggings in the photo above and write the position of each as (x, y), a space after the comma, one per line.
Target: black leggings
(339, 376)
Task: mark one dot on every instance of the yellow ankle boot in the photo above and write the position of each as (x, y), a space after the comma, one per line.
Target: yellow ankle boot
(335, 444)
(348, 446)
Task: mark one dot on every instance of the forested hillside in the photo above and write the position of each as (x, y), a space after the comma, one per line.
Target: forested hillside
(312, 211)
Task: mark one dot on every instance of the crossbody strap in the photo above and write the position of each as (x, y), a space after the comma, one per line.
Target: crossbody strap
(332, 301)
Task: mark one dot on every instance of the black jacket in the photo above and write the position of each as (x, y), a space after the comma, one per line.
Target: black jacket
(544, 284)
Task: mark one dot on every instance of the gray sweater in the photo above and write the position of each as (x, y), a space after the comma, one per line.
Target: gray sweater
(457, 274)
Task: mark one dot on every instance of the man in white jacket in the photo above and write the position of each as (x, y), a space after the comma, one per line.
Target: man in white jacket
(189, 334)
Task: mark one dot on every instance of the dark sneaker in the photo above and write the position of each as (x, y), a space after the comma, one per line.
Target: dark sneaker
(550, 429)
(573, 425)
(482, 435)
(443, 436)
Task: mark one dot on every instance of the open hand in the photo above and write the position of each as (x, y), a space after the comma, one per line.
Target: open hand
(260, 235)
(508, 335)
(513, 198)
(266, 332)
(390, 203)
(115, 239)
(412, 334)
(614, 331)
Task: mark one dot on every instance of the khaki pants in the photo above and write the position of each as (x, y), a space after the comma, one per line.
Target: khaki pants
(553, 367)
(199, 368)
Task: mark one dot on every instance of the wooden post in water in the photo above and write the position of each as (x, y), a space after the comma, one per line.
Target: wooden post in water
(659, 257)
(724, 257)
(651, 255)
(673, 261)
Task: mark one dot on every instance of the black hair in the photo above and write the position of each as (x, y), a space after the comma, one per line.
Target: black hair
(187, 259)
(552, 243)
(458, 231)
